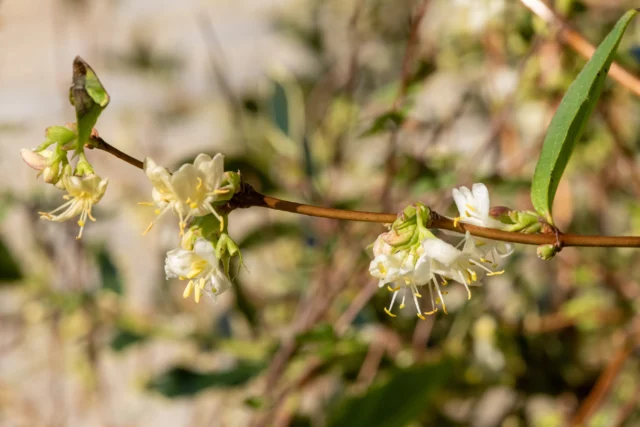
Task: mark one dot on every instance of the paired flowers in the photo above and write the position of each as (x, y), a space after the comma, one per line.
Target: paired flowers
(192, 194)
(410, 257)
(84, 188)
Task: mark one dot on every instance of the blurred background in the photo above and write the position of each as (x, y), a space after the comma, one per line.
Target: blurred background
(360, 104)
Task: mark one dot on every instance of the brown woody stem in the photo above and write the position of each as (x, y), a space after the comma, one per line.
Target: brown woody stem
(247, 197)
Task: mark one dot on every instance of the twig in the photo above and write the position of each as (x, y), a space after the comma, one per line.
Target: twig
(578, 43)
(603, 385)
(101, 144)
(248, 197)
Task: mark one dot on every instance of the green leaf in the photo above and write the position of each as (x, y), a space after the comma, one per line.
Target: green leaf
(88, 96)
(322, 332)
(384, 122)
(401, 400)
(181, 381)
(109, 272)
(9, 268)
(569, 120)
(124, 338)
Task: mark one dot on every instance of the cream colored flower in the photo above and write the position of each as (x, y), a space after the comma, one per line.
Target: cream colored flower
(189, 191)
(83, 193)
(200, 266)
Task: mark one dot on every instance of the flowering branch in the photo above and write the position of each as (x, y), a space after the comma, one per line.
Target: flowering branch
(248, 197)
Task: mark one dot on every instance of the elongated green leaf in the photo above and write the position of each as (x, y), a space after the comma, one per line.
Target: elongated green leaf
(570, 118)
(88, 96)
(181, 381)
(401, 400)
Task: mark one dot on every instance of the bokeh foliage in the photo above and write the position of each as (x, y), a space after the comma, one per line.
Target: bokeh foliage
(302, 338)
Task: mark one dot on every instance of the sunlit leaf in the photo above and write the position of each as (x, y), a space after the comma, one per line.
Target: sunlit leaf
(569, 120)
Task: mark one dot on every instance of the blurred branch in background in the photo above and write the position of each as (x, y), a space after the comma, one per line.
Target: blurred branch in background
(577, 42)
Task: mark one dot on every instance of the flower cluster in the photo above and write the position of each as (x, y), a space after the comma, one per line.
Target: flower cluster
(409, 256)
(84, 188)
(193, 193)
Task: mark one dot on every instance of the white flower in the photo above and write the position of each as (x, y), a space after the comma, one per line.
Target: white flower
(190, 191)
(433, 264)
(466, 266)
(401, 272)
(84, 192)
(473, 206)
(200, 266)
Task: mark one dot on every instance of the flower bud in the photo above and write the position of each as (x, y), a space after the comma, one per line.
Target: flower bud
(34, 160)
(399, 237)
(546, 252)
(501, 213)
(51, 173)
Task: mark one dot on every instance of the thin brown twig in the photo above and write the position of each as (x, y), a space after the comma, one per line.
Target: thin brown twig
(603, 385)
(579, 44)
(248, 197)
(101, 144)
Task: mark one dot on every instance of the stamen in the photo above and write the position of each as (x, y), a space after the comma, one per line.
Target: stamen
(415, 300)
(495, 273)
(444, 306)
(386, 310)
(198, 294)
(474, 262)
(221, 191)
(456, 220)
(433, 304)
(199, 186)
(471, 208)
(429, 313)
(421, 316)
(397, 288)
(149, 227)
(188, 289)
(146, 203)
